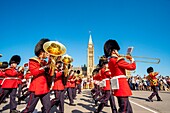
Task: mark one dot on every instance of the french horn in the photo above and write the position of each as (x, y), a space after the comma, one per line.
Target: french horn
(54, 49)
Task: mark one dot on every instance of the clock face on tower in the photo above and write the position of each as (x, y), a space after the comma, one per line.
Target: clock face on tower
(90, 45)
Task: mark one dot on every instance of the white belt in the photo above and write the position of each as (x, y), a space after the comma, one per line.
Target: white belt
(16, 78)
(120, 76)
(105, 79)
(115, 83)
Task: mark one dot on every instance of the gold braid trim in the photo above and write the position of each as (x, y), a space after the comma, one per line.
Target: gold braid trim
(36, 59)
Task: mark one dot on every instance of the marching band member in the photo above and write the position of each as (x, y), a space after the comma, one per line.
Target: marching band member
(117, 66)
(39, 87)
(96, 90)
(3, 66)
(10, 83)
(2, 73)
(153, 83)
(26, 92)
(69, 90)
(105, 75)
(58, 88)
(73, 85)
(78, 81)
(21, 76)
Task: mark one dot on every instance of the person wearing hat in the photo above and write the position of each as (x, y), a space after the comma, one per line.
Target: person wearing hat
(78, 81)
(153, 83)
(10, 83)
(118, 67)
(106, 95)
(39, 87)
(58, 88)
(3, 66)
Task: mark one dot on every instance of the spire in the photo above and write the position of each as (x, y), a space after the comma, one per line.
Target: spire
(90, 38)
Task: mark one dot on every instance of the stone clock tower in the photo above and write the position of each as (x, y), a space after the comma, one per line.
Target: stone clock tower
(90, 57)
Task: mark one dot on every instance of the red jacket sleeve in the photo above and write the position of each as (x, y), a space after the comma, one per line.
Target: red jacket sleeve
(129, 66)
(34, 67)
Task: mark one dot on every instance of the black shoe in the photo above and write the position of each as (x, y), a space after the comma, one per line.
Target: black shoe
(96, 102)
(96, 112)
(71, 104)
(106, 105)
(150, 100)
(4, 101)
(19, 102)
(14, 111)
(159, 99)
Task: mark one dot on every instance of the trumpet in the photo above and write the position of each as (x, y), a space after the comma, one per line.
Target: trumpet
(147, 59)
(55, 50)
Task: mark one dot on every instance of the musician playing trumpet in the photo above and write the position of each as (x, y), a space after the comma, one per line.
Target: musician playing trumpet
(118, 66)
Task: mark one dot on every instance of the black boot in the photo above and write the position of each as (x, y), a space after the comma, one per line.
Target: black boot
(149, 99)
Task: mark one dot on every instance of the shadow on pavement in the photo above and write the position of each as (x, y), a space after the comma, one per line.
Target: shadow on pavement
(5, 108)
(76, 111)
(86, 106)
(139, 98)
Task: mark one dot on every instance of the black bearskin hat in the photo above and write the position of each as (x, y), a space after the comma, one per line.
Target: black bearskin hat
(78, 71)
(3, 64)
(102, 61)
(109, 46)
(95, 71)
(150, 69)
(39, 46)
(15, 59)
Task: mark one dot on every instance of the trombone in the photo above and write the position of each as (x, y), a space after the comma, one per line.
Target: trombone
(153, 60)
(148, 59)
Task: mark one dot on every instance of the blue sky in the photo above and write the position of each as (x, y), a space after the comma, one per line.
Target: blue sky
(143, 24)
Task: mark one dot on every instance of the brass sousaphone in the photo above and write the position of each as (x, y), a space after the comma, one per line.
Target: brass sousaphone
(54, 49)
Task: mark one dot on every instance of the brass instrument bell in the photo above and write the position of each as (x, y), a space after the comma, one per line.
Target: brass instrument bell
(66, 59)
(54, 48)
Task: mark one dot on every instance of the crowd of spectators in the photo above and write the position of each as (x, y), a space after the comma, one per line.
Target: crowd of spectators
(141, 83)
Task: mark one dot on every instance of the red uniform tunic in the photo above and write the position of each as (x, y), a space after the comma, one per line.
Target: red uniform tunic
(20, 76)
(78, 81)
(58, 84)
(11, 78)
(97, 78)
(39, 80)
(106, 77)
(73, 82)
(2, 76)
(117, 68)
(152, 78)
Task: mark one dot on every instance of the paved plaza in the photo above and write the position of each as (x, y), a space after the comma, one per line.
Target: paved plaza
(85, 104)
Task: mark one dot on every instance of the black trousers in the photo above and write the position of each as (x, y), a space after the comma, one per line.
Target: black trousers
(74, 92)
(124, 105)
(155, 92)
(70, 95)
(33, 100)
(105, 97)
(12, 92)
(58, 100)
(79, 88)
